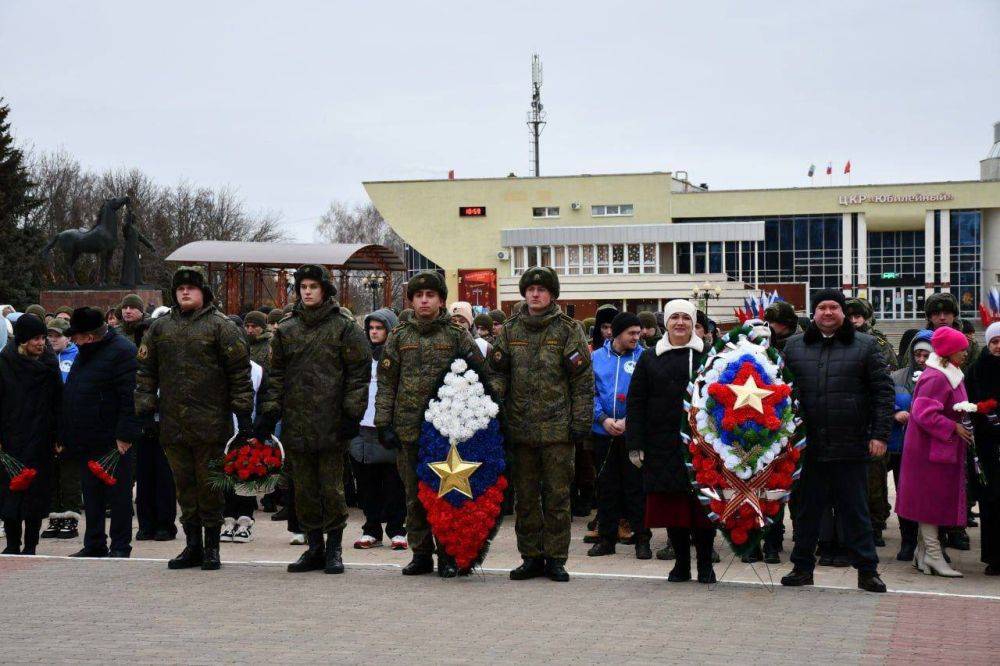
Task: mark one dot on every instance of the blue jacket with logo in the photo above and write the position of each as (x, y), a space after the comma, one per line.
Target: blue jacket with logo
(66, 358)
(612, 375)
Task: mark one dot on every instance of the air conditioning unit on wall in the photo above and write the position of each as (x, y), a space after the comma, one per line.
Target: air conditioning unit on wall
(503, 255)
(575, 205)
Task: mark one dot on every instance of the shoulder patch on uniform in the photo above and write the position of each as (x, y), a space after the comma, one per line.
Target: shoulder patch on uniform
(386, 363)
(143, 352)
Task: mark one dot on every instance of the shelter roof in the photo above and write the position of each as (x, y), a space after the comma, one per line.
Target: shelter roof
(349, 256)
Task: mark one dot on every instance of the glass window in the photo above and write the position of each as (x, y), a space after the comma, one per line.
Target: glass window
(617, 258)
(573, 257)
(649, 258)
(634, 255)
(666, 258)
(801, 233)
(699, 257)
(602, 259)
(545, 211)
(588, 259)
(604, 210)
(560, 260)
(715, 257)
(683, 257)
(545, 256)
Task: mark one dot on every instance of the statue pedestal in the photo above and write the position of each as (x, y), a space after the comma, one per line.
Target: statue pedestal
(102, 299)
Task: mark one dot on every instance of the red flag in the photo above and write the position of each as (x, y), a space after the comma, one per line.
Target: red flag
(829, 168)
(847, 167)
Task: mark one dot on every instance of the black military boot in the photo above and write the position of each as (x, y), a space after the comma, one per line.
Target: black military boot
(879, 539)
(193, 552)
(422, 563)
(797, 578)
(602, 547)
(869, 581)
(314, 558)
(555, 569)
(771, 554)
(703, 540)
(531, 567)
(211, 560)
(447, 568)
(752, 556)
(906, 551)
(642, 549)
(334, 552)
(13, 528)
(679, 539)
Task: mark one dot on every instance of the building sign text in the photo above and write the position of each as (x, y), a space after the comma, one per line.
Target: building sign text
(863, 198)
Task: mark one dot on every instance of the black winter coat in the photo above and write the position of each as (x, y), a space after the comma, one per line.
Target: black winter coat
(98, 403)
(845, 390)
(655, 411)
(29, 406)
(982, 381)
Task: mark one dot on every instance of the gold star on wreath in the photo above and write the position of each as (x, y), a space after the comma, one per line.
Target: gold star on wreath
(749, 394)
(454, 473)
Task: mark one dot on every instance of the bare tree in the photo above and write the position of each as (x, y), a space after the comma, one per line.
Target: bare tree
(362, 223)
(169, 216)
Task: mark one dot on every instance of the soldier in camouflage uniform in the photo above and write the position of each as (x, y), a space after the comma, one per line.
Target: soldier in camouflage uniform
(194, 368)
(862, 316)
(416, 355)
(318, 387)
(543, 373)
(255, 323)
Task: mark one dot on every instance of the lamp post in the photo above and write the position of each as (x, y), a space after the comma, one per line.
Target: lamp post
(704, 293)
(374, 282)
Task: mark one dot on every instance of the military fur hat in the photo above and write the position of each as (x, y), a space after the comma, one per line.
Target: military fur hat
(498, 316)
(483, 320)
(943, 302)
(859, 306)
(647, 319)
(194, 276)
(133, 301)
(318, 273)
(255, 317)
(427, 280)
(542, 276)
(274, 316)
(37, 310)
(782, 312)
(64, 309)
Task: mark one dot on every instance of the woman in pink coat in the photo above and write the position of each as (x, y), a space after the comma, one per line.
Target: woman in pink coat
(932, 474)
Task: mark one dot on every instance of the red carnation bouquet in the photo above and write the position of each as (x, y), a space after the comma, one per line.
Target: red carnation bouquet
(105, 467)
(251, 469)
(20, 476)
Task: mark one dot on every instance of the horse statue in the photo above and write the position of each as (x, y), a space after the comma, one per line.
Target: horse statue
(100, 240)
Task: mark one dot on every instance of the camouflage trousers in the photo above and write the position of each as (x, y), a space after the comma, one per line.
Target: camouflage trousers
(878, 491)
(200, 503)
(542, 476)
(318, 479)
(418, 530)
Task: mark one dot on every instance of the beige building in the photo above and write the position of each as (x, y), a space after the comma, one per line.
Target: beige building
(636, 240)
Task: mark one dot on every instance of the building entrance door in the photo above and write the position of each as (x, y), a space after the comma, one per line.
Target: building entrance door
(884, 302)
(912, 302)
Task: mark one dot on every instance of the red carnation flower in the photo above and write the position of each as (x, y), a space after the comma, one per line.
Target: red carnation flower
(717, 506)
(986, 406)
(244, 474)
(739, 536)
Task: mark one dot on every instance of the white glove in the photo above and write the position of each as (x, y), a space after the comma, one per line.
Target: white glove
(636, 458)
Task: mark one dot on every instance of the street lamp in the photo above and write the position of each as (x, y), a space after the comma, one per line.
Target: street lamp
(704, 293)
(374, 282)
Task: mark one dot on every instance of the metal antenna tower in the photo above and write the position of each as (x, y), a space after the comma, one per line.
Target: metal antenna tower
(536, 116)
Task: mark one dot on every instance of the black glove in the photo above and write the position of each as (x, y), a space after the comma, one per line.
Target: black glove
(265, 428)
(349, 428)
(388, 439)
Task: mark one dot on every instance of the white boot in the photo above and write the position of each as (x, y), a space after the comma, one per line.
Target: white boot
(933, 557)
(918, 557)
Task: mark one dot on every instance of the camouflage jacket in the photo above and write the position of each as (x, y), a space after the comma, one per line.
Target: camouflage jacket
(888, 353)
(414, 359)
(543, 370)
(260, 350)
(195, 369)
(320, 368)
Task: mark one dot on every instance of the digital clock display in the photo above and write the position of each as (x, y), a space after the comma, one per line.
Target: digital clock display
(472, 211)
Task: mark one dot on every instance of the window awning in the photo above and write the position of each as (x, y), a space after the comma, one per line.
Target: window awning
(634, 233)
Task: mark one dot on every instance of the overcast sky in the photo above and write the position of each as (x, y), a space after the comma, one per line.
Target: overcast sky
(296, 103)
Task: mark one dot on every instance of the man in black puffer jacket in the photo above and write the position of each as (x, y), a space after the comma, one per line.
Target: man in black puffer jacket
(846, 398)
(98, 415)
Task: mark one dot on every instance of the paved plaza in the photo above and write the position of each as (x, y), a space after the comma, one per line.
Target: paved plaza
(57, 609)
